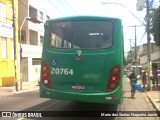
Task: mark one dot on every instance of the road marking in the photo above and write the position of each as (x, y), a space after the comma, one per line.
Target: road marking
(50, 105)
(21, 119)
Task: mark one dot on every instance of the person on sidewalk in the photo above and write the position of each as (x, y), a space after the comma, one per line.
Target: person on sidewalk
(133, 80)
(154, 75)
(144, 76)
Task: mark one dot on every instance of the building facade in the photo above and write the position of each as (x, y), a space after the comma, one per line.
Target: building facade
(155, 54)
(31, 25)
(9, 47)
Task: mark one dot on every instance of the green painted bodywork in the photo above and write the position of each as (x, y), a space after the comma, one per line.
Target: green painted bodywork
(92, 71)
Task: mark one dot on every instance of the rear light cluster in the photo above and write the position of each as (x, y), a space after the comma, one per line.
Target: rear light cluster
(46, 80)
(114, 78)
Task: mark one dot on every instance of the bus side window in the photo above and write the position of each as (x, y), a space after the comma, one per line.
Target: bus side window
(56, 41)
(106, 41)
(53, 41)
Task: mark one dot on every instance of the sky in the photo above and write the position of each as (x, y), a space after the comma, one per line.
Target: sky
(126, 10)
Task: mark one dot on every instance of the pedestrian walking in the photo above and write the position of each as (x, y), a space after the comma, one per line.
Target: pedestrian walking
(154, 77)
(144, 81)
(133, 80)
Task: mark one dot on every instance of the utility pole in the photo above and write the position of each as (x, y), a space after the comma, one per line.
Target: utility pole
(135, 27)
(140, 6)
(135, 45)
(135, 50)
(148, 42)
(130, 48)
(14, 41)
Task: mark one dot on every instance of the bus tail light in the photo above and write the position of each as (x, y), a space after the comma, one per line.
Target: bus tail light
(46, 80)
(114, 78)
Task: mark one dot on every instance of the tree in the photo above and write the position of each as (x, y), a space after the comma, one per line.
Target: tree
(155, 22)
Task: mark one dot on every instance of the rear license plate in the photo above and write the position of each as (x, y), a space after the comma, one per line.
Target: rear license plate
(78, 87)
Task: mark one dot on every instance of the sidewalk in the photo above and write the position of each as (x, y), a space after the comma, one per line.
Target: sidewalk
(154, 95)
(26, 86)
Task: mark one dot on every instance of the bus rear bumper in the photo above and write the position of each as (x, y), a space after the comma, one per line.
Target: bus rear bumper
(108, 98)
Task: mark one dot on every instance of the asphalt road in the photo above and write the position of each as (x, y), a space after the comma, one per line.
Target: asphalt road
(30, 101)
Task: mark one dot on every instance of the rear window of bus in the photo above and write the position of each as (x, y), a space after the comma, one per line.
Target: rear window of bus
(82, 34)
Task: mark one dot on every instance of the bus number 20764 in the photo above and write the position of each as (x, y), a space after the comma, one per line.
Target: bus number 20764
(61, 71)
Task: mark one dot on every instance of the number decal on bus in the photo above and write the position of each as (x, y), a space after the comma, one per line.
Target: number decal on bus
(62, 71)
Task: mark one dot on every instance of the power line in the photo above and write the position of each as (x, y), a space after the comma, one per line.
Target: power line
(61, 3)
(70, 10)
(23, 4)
(142, 37)
(135, 26)
(56, 7)
(71, 7)
(126, 9)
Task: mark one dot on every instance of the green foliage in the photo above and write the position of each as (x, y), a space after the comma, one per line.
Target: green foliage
(155, 30)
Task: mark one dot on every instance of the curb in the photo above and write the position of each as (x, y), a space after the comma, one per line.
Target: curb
(152, 102)
(18, 92)
(22, 91)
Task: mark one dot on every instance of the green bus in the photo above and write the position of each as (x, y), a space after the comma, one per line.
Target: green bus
(82, 59)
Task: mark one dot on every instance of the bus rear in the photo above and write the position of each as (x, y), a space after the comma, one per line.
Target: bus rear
(82, 60)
